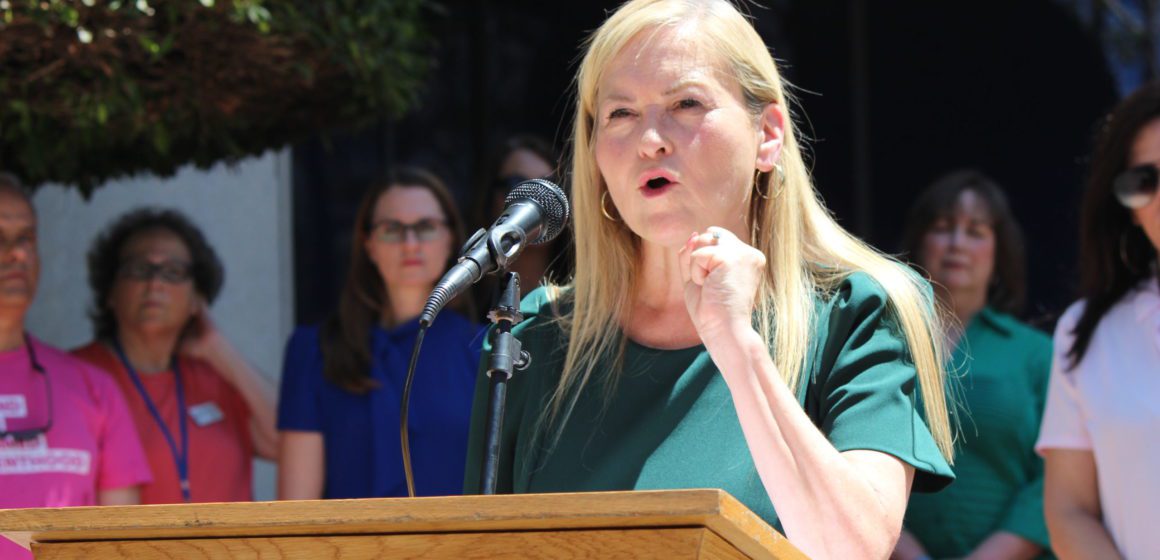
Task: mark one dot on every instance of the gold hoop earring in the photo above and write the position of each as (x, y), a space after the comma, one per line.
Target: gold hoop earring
(780, 178)
(758, 179)
(607, 216)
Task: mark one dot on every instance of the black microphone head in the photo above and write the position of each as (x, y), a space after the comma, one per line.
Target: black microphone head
(549, 197)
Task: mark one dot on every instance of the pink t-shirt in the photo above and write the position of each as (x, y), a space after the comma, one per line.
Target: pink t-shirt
(1110, 405)
(91, 446)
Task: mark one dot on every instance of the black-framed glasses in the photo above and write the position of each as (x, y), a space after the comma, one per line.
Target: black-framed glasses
(1136, 187)
(170, 272)
(33, 433)
(391, 231)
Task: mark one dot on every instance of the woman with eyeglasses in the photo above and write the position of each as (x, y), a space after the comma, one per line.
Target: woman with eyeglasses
(342, 382)
(962, 234)
(202, 411)
(1099, 432)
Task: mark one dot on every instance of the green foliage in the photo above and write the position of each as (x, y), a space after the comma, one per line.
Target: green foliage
(95, 89)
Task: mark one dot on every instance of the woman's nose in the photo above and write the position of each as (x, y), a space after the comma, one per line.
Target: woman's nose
(654, 138)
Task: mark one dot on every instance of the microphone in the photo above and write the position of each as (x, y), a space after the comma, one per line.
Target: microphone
(534, 213)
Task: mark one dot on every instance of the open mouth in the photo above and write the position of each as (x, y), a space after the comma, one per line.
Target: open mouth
(657, 183)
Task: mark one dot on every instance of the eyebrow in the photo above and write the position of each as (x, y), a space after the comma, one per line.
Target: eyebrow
(676, 88)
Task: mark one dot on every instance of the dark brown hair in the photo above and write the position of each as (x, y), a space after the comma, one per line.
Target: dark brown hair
(1114, 253)
(345, 336)
(491, 183)
(11, 183)
(105, 260)
(1008, 289)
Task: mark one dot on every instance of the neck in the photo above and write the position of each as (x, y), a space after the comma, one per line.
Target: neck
(659, 286)
(658, 316)
(966, 304)
(406, 303)
(11, 331)
(148, 352)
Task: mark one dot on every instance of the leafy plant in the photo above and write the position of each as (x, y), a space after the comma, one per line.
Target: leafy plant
(91, 89)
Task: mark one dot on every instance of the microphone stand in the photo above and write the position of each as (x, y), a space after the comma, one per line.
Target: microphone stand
(507, 355)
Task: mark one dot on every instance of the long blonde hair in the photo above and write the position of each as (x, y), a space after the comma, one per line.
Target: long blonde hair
(808, 253)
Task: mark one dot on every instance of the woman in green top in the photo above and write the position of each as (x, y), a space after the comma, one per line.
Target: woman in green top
(721, 329)
(962, 233)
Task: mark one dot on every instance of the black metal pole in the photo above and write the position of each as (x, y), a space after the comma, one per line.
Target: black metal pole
(506, 356)
(496, 401)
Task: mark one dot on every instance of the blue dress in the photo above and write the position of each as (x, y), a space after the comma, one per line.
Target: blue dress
(361, 432)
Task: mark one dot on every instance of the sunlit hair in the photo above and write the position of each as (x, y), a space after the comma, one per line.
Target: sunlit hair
(808, 253)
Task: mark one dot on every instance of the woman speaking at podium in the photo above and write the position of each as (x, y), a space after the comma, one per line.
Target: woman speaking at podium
(721, 330)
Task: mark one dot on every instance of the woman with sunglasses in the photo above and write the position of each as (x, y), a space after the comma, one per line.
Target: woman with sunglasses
(201, 410)
(1098, 436)
(522, 158)
(342, 382)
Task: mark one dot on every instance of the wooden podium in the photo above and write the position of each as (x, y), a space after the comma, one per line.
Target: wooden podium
(671, 524)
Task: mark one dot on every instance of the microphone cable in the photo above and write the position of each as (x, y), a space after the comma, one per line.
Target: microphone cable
(404, 408)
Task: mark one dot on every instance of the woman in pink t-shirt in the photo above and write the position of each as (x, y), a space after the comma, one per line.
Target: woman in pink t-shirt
(202, 411)
(1098, 436)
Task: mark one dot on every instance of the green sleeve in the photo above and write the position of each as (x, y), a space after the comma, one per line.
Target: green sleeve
(1025, 515)
(865, 386)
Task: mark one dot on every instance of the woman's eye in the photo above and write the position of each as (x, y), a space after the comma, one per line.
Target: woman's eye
(688, 104)
(979, 231)
(618, 113)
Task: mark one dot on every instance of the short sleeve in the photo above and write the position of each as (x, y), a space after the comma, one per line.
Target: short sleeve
(865, 385)
(298, 407)
(1063, 425)
(122, 461)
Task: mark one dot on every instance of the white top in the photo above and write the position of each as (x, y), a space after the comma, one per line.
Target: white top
(1110, 405)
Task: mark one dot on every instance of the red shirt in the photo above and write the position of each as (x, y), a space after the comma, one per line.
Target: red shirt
(220, 449)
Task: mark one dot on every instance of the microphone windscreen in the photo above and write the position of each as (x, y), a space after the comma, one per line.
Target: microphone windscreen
(549, 197)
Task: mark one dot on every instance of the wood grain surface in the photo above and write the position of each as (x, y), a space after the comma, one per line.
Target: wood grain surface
(325, 522)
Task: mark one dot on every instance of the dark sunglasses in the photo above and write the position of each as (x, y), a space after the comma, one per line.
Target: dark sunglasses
(33, 433)
(1136, 187)
(170, 272)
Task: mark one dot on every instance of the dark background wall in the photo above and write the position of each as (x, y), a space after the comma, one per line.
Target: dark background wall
(893, 93)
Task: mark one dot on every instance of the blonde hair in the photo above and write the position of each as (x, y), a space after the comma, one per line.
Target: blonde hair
(807, 251)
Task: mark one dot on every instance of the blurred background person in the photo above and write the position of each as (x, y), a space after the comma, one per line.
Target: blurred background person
(522, 157)
(962, 234)
(342, 382)
(1099, 433)
(202, 411)
(66, 437)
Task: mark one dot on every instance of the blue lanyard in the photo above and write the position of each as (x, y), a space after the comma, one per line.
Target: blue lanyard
(180, 458)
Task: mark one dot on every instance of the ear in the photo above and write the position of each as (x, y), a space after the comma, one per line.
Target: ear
(770, 137)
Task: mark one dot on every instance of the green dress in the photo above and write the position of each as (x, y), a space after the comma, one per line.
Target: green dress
(1000, 371)
(670, 423)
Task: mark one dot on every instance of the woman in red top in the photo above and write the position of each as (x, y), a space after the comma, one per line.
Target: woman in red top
(202, 411)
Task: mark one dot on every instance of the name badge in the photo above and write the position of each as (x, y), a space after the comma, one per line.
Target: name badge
(205, 413)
